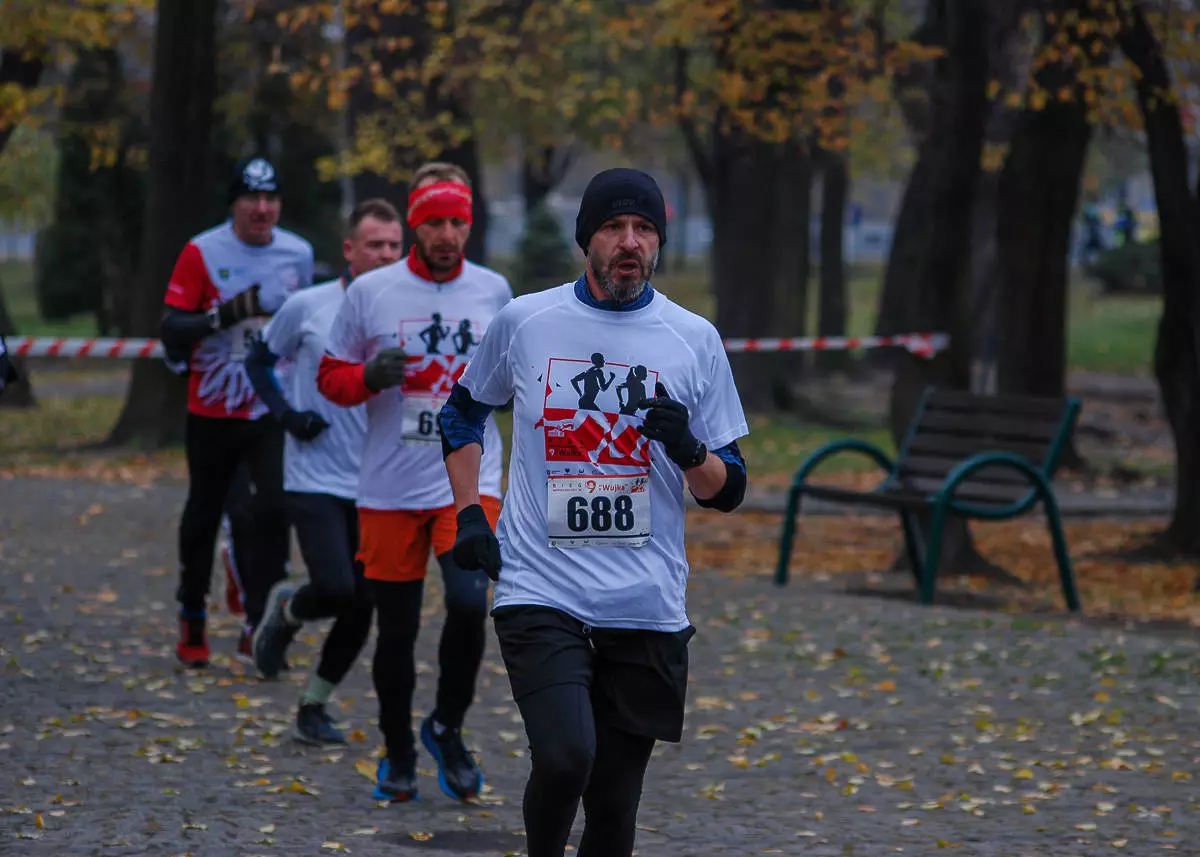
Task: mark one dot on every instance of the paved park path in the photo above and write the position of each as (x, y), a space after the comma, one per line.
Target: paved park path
(819, 724)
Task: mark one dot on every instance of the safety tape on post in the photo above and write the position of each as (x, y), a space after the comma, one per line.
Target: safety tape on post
(920, 344)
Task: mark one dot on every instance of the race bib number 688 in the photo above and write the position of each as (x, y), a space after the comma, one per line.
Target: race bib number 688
(609, 511)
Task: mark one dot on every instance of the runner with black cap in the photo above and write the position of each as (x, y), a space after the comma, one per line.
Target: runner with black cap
(226, 283)
(589, 563)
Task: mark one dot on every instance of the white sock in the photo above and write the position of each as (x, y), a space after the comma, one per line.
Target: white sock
(438, 728)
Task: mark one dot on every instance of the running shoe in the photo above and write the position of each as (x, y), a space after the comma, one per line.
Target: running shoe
(458, 775)
(274, 633)
(396, 781)
(192, 648)
(315, 726)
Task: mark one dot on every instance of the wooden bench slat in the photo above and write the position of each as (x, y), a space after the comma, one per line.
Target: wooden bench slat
(939, 468)
(960, 447)
(1046, 408)
(987, 426)
(968, 490)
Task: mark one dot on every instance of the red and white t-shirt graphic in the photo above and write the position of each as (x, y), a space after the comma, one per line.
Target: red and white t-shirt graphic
(437, 351)
(597, 462)
(591, 412)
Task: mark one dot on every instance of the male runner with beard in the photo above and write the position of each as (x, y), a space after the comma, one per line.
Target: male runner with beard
(589, 561)
(391, 347)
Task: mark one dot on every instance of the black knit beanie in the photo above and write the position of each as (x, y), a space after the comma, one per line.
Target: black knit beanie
(615, 192)
(253, 175)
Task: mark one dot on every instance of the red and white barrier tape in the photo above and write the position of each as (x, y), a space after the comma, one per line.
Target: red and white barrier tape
(48, 346)
(920, 344)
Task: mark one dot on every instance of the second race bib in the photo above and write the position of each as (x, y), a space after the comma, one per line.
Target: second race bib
(605, 511)
(419, 413)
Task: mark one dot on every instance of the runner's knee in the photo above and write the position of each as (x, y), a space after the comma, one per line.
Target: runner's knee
(563, 763)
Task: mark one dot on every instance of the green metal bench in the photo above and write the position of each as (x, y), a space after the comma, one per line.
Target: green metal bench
(989, 458)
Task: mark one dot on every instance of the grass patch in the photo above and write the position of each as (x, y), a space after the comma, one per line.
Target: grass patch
(1112, 334)
(16, 281)
(778, 445)
(55, 425)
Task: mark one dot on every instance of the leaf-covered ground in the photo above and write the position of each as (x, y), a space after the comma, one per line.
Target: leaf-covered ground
(819, 723)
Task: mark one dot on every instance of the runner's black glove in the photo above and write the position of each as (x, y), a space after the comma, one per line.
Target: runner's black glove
(476, 546)
(303, 425)
(240, 307)
(667, 422)
(385, 369)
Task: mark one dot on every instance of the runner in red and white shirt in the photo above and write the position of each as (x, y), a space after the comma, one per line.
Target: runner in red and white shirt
(402, 337)
(226, 283)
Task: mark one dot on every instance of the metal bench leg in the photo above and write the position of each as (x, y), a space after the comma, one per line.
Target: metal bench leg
(933, 553)
(912, 543)
(788, 538)
(1062, 556)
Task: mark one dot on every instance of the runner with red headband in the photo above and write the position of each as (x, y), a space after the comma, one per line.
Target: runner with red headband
(402, 337)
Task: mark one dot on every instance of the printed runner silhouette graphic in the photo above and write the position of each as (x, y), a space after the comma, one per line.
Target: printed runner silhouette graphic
(433, 335)
(593, 383)
(464, 338)
(635, 387)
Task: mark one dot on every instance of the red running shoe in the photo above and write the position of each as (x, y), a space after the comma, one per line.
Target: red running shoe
(192, 648)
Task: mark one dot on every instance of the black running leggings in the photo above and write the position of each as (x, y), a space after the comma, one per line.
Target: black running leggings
(327, 529)
(215, 447)
(398, 619)
(577, 756)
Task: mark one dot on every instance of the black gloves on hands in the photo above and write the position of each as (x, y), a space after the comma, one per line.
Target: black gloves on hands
(476, 547)
(667, 422)
(385, 369)
(303, 425)
(240, 307)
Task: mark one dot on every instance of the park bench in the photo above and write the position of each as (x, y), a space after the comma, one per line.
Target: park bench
(988, 458)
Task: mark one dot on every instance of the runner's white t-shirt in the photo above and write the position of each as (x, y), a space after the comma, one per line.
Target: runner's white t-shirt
(298, 333)
(439, 326)
(593, 519)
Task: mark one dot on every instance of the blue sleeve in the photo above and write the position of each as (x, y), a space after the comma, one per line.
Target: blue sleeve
(462, 420)
(733, 492)
(731, 455)
(260, 362)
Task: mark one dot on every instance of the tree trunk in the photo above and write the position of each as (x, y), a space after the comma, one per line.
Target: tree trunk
(22, 70)
(758, 202)
(1176, 361)
(181, 104)
(1038, 195)
(18, 394)
(831, 311)
(925, 287)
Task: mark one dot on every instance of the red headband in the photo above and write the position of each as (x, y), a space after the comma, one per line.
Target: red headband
(443, 199)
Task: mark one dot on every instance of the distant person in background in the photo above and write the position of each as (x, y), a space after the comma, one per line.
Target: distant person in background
(1093, 232)
(8, 372)
(1126, 223)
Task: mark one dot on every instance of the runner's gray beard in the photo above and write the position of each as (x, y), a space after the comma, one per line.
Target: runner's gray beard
(622, 294)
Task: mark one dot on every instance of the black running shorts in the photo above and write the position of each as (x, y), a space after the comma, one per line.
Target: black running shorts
(637, 679)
